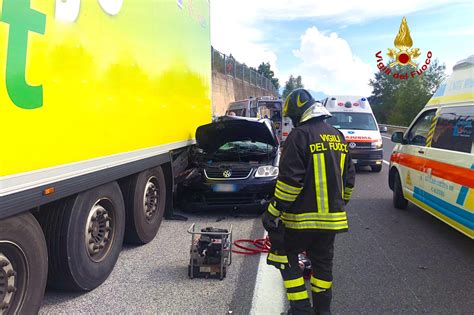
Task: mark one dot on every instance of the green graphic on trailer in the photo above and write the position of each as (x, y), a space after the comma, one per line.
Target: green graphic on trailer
(21, 19)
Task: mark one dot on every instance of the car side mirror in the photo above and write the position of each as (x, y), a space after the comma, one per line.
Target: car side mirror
(397, 137)
(383, 129)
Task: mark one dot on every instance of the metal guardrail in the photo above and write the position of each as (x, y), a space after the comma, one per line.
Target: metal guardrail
(229, 66)
(392, 128)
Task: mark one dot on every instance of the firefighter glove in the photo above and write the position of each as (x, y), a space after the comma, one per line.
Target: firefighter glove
(276, 237)
(270, 222)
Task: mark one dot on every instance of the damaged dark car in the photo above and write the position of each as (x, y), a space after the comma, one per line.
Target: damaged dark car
(234, 165)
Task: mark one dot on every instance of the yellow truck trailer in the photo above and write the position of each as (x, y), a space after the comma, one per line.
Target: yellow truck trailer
(95, 98)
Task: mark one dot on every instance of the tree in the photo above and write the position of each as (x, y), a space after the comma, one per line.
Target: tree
(408, 101)
(397, 101)
(291, 84)
(382, 98)
(434, 76)
(265, 69)
(299, 83)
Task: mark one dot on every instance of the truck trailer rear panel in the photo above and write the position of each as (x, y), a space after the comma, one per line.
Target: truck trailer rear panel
(89, 85)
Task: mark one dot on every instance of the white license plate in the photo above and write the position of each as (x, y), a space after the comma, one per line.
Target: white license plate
(224, 188)
(354, 161)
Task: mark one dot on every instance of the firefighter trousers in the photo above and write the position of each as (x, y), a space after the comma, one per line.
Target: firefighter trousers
(319, 248)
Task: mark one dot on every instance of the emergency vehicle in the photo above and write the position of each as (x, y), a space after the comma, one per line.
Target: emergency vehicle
(353, 116)
(263, 107)
(432, 164)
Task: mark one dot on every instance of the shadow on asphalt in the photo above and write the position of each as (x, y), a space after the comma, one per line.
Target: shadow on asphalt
(61, 296)
(221, 214)
(175, 274)
(438, 227)
(365, 170)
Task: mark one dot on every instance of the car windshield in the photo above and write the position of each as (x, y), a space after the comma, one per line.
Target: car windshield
(356, 121)
(243, 151)
(236, 112)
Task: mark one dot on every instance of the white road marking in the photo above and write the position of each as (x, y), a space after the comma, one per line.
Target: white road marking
(269, 292)
(388, 163)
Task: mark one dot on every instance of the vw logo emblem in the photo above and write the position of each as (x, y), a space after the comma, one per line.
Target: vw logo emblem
(352, 145)
(227, 174)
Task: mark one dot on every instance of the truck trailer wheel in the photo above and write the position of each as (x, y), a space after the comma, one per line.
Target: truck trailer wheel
(84, 234)
(23, 265)
(145, 198)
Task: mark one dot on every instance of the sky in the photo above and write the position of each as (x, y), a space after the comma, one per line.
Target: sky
(332, 43)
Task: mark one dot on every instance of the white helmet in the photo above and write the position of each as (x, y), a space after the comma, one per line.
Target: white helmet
(300, 106)
(316, 110)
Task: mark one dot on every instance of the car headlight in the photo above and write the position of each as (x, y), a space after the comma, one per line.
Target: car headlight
(267, 171)
(377, 144)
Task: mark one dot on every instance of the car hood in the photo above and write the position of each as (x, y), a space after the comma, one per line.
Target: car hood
(212, 136)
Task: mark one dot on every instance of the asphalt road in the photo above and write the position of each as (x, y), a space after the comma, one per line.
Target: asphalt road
(391, 261)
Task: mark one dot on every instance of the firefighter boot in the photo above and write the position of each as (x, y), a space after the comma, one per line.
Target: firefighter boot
(322, 302)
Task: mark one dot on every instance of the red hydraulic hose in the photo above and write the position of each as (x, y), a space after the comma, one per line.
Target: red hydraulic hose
(258, 246)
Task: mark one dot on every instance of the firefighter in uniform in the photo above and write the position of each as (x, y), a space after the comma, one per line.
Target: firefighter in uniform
(315, 183)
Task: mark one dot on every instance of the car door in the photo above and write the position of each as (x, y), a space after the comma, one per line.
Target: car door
(412, 157)
(449, 171)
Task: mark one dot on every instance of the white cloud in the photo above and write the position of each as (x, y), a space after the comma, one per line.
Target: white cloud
(449, 66)
(236, 27)
(328, 65)
(234, 31)
(465, 31)
(343, 10)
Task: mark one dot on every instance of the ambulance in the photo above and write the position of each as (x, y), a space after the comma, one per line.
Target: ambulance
(263, 107)
(432, 164)
(353, 116)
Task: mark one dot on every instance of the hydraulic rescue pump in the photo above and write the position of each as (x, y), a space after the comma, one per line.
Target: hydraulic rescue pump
(211, 252)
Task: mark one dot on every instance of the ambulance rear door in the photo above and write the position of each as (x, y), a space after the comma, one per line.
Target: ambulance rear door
(272, 109)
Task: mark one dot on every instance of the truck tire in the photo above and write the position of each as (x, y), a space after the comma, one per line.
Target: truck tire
(145, 201)
(23, 265)
(399, 200)
(84, 234)
(376, 168)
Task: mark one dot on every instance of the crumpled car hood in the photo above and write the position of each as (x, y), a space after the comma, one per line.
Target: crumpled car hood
(212, 136)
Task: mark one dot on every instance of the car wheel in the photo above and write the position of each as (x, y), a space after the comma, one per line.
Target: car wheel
(399, 200)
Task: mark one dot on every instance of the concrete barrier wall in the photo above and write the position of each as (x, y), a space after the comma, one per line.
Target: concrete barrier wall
(226, 89)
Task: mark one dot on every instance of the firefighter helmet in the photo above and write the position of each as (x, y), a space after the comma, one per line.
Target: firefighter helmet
(300, 106)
